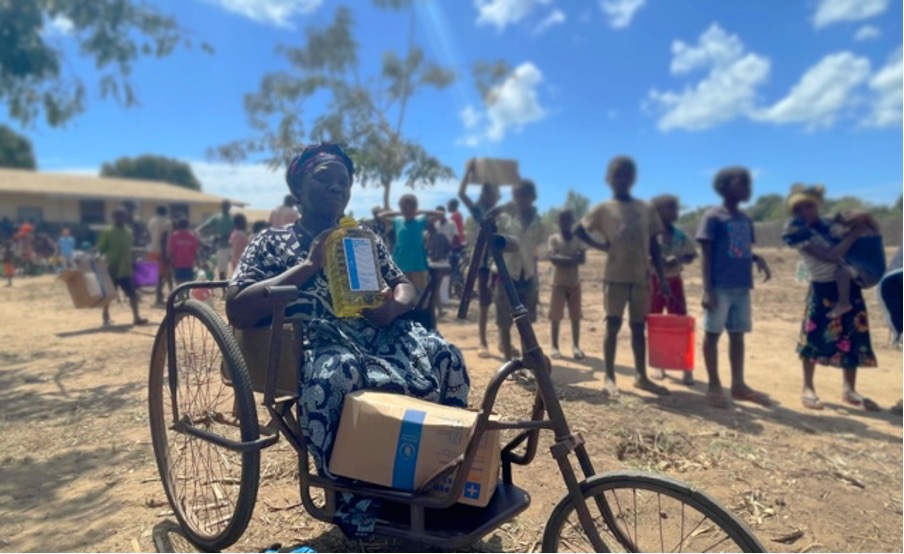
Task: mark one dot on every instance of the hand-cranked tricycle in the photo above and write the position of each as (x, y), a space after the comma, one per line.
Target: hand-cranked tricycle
(208, 442)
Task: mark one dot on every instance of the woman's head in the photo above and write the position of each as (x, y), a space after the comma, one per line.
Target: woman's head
(320, 178)
(733, 184)
(804, 201)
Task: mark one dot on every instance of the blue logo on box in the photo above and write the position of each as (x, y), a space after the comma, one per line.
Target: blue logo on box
(472, 490)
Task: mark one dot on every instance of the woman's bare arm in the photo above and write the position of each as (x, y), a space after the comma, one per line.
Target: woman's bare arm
(836, 253)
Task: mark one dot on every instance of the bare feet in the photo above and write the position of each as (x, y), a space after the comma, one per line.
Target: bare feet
(856, 400)
(656, 373)
(483, 353)
(839, 310)
(643, 383)
(718, 399)
(747, 394)
(610, 390)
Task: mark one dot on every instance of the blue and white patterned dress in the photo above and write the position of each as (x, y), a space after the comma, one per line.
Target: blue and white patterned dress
(345, 355)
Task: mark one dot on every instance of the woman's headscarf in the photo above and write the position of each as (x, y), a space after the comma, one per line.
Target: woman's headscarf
(302, 165)
(805, 193)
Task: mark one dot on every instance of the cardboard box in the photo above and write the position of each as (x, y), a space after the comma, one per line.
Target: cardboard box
(401, 442)
(90, 285)
(495, 171)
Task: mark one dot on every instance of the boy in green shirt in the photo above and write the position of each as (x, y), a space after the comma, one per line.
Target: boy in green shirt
(115, 245)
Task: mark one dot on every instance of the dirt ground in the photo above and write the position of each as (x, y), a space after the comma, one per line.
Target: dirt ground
(77, 470)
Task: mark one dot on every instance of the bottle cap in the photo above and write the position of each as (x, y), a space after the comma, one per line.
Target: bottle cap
(348, 222)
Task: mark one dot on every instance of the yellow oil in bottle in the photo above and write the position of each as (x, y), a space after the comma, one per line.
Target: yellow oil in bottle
(353, 270)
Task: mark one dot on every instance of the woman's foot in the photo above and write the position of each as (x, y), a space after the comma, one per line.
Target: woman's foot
(483, 353)
(839, 310)
(140, 321)
(688, 379)
(856, 400)
(747, 394)
(578, 353)
(810, 400)
(555, 355)
(656, 373)
(643, 383)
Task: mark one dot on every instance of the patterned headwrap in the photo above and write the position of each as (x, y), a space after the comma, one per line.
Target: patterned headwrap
(805, 193)
(303, 164)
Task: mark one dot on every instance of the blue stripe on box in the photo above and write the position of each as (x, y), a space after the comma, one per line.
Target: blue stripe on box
(407, 448)
(351, 263)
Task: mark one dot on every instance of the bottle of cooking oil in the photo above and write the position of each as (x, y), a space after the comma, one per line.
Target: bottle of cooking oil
(353, 269)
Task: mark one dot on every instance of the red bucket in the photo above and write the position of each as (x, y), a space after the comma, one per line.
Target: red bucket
(147, 273)
(670, 340)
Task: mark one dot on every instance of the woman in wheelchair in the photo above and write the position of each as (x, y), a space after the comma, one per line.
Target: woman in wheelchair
(378, 351)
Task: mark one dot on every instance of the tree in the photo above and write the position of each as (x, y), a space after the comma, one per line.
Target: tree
(152, 168)
(15, 150)
(112, 33)
(577, 203)
(365, 113)
(768, 207)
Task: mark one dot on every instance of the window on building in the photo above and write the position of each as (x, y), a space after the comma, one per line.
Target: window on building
(29, 213)
(92, 211)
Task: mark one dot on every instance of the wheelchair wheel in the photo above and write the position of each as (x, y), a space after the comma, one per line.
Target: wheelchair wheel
(212, 490)
(639, 512)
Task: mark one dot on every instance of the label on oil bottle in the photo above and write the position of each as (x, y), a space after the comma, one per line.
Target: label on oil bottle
(362, 267)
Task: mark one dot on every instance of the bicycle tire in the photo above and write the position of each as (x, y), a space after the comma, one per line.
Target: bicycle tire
(618, 537)
(230, 527)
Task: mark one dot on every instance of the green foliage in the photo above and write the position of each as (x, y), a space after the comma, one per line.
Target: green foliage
(574, 201)
(112, 33)
(15, 150)
(152, 168)
(365, 113)
(768, 207)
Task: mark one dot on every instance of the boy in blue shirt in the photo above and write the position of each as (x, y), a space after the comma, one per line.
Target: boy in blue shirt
(409, 251)
(726, 240)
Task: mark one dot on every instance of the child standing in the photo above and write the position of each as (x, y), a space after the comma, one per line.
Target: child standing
(409, 253)
(9, 262)
(726, 239)
(489, 197)
(66, 247)
(183, 249)
(115, 244)
(239, 239)
(631, 229)
(678, 250)
(567, 254)
(522, 222)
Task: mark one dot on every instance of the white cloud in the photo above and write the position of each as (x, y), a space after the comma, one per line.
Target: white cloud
(821, 93)
(835, 11)
(867, 32)
(621, 12)
(727, 92)
(59, 25)
(555, 17)
(273, 12)
(885, 87)
(511, 105)
(502, 13)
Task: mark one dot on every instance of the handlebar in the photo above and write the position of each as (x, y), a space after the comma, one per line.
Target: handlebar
(282, 294)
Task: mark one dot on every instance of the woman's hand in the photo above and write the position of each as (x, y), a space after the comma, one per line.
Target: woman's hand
(385, 314)
(317, 254)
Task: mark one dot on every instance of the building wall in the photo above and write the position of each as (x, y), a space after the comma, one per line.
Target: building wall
(68, 210)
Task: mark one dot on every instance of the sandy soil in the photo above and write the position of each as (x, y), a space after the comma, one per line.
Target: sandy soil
(77, 470)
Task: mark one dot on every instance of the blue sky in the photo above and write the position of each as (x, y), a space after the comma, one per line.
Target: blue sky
(806, 90)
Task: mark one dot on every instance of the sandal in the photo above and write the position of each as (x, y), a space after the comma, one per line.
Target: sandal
(857, 401)
(650, 386)
(812, 402)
